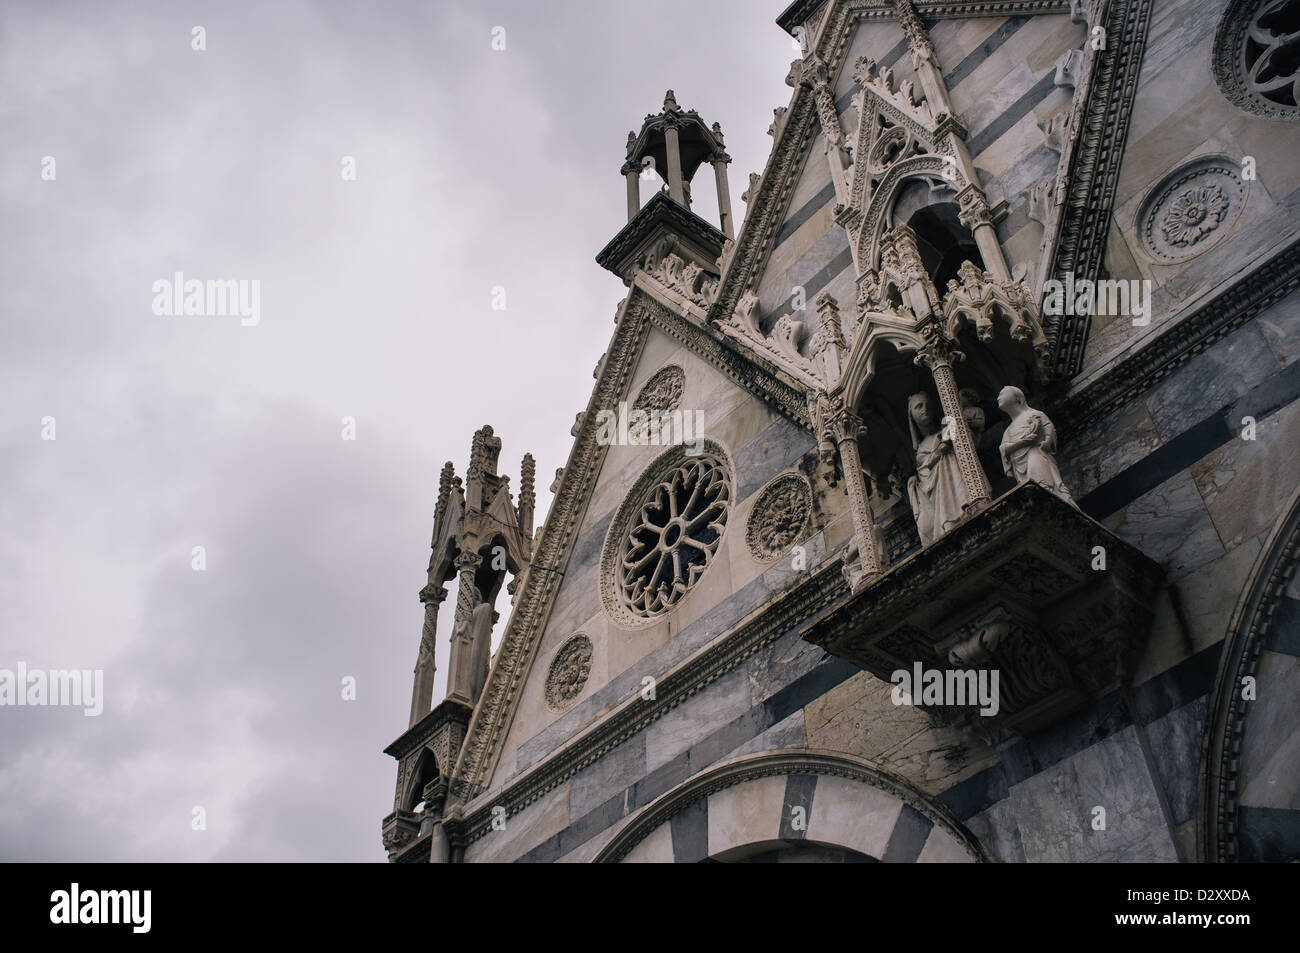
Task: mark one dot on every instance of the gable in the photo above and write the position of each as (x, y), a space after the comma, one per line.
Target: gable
(789, 240)
(756, 443)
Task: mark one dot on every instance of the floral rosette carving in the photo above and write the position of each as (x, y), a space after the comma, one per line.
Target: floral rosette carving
(779, 516)
(569, 671)
(1194, 213)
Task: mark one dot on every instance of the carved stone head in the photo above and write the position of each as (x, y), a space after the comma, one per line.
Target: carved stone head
(920, 411)
(1011, 400)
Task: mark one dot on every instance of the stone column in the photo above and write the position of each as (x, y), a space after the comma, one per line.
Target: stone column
(845, 428)
(833, 344)
(439, 846)
(973, 212)
(633, 176)
(459, 671)
(813, 74)
(671, 140)
(425, 667)
(938, 357)
(724, 194)
(923, 59)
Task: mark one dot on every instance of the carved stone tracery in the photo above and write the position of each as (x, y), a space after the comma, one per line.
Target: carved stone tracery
(1254, 54)
(665, 535)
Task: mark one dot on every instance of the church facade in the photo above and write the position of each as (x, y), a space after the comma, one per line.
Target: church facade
(947, 510)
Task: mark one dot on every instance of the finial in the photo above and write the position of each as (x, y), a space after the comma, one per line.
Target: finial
(527, 476)
(670, 102)
(444, 489)
(483, 452)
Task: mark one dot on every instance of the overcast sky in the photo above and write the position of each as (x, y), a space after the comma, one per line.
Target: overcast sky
(475, 168)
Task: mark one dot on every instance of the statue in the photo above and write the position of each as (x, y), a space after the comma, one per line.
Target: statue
(480, 654)
(1029, 444)
(936, 491)
(973, 412)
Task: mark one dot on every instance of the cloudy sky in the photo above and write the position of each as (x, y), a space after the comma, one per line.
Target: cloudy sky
(475, 169)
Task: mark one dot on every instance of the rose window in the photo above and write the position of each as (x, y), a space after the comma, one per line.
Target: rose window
(670, 538)
(1256, 57)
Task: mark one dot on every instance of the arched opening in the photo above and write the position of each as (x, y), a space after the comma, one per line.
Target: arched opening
(426, 770)
(931, 212)
(497, 570)
(791, 852)
(743, 810)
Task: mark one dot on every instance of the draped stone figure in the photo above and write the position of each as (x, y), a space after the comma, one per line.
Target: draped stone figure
(936, 490)
(1029, 443)
(480, 658)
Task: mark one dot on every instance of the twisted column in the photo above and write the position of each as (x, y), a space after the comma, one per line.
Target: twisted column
(938, 356)
(425, 667)
(459, 671)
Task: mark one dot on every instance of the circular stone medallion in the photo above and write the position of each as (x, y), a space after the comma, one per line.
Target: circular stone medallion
(1192, 209)
(568, 673)
(779, 516)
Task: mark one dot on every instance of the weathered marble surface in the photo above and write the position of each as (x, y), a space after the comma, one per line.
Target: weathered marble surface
(1171, 525)
(1053, 809)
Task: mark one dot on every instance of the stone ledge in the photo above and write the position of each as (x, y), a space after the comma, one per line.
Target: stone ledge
(1010, 590)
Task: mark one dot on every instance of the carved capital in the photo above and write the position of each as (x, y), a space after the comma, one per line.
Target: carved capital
(937, 351)
(433, 594)
(467, 561)
(843, 425)
(973, 208)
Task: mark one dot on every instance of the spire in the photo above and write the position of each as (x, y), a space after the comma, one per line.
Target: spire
(527, 495)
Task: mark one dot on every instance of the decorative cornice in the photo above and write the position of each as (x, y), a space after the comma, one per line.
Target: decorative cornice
(799, 11)
(514, 656)
(1211, 321)
(1084, 221)
(660, 213)
(746, 369)
(778, 763)
(767, 207)
(423, 730)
